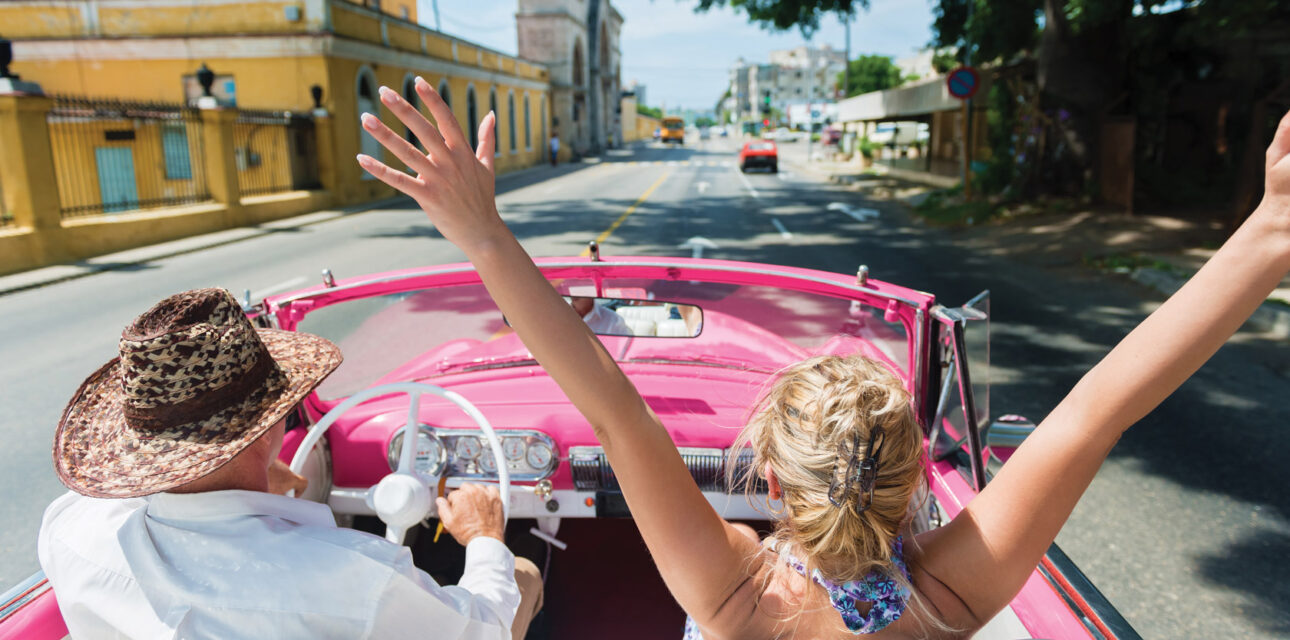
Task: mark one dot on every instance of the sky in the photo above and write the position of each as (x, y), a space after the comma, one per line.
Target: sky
(683, 58)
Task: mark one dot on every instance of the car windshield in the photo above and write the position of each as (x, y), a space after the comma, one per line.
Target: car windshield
(760, 146)
(428, 333)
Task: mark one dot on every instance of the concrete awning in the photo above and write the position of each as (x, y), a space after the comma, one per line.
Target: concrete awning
(914, 101)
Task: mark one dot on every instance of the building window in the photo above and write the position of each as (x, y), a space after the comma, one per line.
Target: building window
(472, 117)
(528, 126)
(174, 148)
(510, 119)
(492, 106)
(403, 12)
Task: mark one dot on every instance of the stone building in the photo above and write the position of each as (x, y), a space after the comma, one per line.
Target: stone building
(578, 40)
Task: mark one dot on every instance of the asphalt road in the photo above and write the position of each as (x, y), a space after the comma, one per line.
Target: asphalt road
(1186, 529)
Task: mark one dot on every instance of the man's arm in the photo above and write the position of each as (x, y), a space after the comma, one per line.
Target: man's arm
(483, 602)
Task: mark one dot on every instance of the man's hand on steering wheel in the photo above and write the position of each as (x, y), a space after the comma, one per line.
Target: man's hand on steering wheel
(472, 511)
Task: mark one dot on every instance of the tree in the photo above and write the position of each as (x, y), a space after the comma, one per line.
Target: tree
(872, 73)
(653, 112)
(1086, 57)
(704, 121)
(787, 14)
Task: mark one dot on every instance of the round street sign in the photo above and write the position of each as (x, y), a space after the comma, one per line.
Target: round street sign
(963, 82)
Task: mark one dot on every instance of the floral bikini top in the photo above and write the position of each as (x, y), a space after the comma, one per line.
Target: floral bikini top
(886, 596)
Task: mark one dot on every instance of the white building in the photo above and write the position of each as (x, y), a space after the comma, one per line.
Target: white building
(794, 76)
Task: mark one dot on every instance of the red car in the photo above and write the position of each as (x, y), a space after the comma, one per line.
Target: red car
(759, 153)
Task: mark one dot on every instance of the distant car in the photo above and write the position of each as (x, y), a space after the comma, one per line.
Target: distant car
(704, 133)
(782, 134)
(759, 153)
(724, 132)
(831, 136)
(658, 133)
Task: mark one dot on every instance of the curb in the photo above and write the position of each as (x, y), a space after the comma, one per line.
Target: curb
(1269, 318)
(45, 276)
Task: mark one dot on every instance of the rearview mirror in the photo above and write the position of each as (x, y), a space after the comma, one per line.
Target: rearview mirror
(628, 317)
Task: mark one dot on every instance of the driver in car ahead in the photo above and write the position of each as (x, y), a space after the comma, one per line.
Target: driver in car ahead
(172, 528)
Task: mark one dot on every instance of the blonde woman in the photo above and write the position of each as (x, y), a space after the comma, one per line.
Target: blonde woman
(846, 531)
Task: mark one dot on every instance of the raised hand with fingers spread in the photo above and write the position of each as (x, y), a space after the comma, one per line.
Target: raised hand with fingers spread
(453, 184)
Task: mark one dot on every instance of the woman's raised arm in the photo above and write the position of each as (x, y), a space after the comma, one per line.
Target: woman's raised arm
(987, 552)
(702, 559)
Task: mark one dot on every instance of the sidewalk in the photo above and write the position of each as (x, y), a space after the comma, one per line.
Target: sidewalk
(1156, 251)
(125, 259)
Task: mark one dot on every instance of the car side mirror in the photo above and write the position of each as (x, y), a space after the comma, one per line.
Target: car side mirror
(1005, 434)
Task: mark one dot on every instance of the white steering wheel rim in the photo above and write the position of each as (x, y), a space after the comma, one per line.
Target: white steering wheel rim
(407, 457)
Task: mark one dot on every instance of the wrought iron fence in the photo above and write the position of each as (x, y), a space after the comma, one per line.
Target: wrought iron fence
(275, 151)
(112, 156)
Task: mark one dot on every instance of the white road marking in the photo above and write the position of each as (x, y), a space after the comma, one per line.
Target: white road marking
(696, 245)
(786, 176)
(860, 214)
(749, 185)
(780, 226)
(702, 186)
(278, 288)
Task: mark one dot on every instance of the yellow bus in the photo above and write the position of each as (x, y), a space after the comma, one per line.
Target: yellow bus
(673, 130)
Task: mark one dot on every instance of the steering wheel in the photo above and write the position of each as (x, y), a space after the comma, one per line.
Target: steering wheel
(402, 499)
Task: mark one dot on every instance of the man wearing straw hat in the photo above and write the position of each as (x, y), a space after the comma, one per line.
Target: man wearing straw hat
(171, 529)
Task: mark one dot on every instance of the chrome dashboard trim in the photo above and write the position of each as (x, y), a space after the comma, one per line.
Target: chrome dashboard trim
(447, 446)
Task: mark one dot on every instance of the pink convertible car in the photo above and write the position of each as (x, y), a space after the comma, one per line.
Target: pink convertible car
(436, 390)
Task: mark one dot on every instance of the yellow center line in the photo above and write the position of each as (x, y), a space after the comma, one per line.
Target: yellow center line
(610, 231)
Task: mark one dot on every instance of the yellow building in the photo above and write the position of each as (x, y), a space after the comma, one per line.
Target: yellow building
(265, 55)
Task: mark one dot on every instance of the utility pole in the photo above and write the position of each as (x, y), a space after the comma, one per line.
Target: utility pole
(437, 26)
(846, 63)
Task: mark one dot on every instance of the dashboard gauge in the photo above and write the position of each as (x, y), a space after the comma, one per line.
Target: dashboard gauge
(468, 447)
(488, 463)
(539, 455)
(513, 448)
(429, 457)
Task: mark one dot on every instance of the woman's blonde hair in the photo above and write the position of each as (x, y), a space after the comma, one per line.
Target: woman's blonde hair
(807, 427)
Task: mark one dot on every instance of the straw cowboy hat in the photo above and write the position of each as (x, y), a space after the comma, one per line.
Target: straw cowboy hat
(195, 385)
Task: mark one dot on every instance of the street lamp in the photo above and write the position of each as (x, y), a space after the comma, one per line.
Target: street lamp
(6, 56)
(205, 78)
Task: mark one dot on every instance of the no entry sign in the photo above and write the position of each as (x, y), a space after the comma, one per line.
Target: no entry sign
(963, 82)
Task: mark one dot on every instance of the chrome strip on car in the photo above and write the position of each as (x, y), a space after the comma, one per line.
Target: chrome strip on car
(610, 265)
(26, 591)
(1083, 588)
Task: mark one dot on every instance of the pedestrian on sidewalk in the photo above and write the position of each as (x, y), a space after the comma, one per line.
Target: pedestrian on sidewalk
(555, 148)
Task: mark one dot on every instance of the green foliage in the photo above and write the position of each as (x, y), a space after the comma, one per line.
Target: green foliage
(704, 121)
(787, 14)
(867, 147)
(947, 208)
(872, 73)
(944, 62)
(653, 112)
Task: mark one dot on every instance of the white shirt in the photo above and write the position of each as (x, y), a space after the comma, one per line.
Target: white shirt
(606, 322)
(244, 564)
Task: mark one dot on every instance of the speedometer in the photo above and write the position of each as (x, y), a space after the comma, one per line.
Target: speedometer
(468, 447)
(539, 455)
(429, 459)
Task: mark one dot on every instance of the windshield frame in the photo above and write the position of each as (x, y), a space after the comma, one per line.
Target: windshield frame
(910, 306)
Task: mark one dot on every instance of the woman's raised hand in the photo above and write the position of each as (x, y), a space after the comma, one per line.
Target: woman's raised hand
(453, 183)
